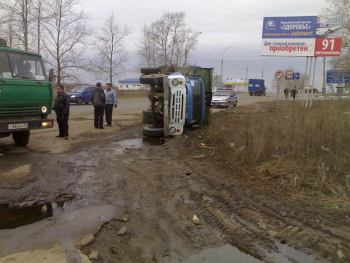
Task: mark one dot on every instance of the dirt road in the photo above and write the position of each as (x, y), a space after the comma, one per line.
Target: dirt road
(112, 197)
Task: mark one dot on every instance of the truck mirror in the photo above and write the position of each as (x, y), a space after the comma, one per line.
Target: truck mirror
(51, 75)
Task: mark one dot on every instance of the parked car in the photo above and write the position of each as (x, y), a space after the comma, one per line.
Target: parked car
(81, 94)
(225, 98)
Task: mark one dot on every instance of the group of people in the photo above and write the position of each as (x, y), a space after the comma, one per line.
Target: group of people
(293, 93)
(103, 100)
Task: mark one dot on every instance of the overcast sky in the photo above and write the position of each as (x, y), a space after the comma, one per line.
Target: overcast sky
(222, 23)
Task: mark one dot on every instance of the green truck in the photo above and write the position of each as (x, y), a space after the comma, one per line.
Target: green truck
(26, 94)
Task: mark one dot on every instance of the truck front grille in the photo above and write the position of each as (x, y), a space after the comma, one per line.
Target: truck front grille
(177, 107)
(14, 110)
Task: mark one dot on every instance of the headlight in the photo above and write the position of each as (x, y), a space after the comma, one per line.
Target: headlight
(73, 96)
(43, 109)
(175, 82)
(172, 130)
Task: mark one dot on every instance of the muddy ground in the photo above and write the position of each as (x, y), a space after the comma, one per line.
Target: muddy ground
(149, 201)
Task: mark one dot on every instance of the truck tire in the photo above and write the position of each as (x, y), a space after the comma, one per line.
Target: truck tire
(152, 80)
(149, 131)
(149, 71)
(21, 138)
(147, 117)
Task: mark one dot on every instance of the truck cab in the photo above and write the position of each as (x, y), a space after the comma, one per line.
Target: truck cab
(26, 95)
(179, 97)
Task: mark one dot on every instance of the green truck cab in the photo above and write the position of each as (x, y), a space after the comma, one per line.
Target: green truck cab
(26, 94)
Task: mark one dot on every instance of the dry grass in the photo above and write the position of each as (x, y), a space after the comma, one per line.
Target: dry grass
(295, 147)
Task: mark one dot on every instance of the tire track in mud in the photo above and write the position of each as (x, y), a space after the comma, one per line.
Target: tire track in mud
(298, 232)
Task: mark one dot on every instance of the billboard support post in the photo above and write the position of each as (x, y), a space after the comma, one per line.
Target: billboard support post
(313, 82)
(324, 77)
(305, 81)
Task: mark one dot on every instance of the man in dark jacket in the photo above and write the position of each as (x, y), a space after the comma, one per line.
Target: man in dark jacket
(61, 107)
(98, 100)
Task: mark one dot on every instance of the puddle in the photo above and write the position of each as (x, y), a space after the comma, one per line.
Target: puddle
(13, 217)
(17, 215)
(288, 254)
(135, 143)
(224, 254)
(65, 228)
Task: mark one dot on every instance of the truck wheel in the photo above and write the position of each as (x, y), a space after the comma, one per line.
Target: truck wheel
(149, 131)
(149, 71)
(21, 138)
(152, 80)
(147, 117)
(80, 101)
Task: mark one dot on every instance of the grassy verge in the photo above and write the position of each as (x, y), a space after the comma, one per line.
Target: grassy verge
(286, 145)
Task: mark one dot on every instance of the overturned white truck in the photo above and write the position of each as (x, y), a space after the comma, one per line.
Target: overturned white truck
(179, 98)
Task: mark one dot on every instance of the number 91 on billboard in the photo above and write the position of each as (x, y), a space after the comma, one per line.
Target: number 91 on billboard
(328, 47)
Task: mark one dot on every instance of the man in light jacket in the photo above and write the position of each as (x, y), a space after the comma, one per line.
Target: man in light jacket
(98, 100)
(111, 101)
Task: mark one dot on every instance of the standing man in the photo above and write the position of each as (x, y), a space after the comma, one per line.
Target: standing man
(111, 100)
(61, 107)
(294, 92)
(98, 100)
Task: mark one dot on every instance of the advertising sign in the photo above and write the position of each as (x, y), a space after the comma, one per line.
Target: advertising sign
(290, 27)
(300, 36)
(328, 47)
(288, 47)
(338, 76)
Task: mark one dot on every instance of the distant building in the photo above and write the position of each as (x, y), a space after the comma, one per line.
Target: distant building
(131, 85)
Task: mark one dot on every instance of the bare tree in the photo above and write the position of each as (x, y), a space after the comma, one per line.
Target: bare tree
(20, 17)
(110, 45)
(167, 41)
(340, 9)
(65, 37)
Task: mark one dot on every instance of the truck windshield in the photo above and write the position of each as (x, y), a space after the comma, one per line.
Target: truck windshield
(21, 66)
(5, 70)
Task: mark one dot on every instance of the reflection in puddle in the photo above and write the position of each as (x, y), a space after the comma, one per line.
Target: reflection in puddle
(135, 143)
(288, 254)
(12, 217)
(225, 254)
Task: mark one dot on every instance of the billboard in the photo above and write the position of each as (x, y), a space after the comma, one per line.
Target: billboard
(288, 47)
(299, 36)
(338, 76)
(290, 27)
(328, 47)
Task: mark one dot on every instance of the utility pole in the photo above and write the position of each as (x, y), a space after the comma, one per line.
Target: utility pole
(222, 62)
